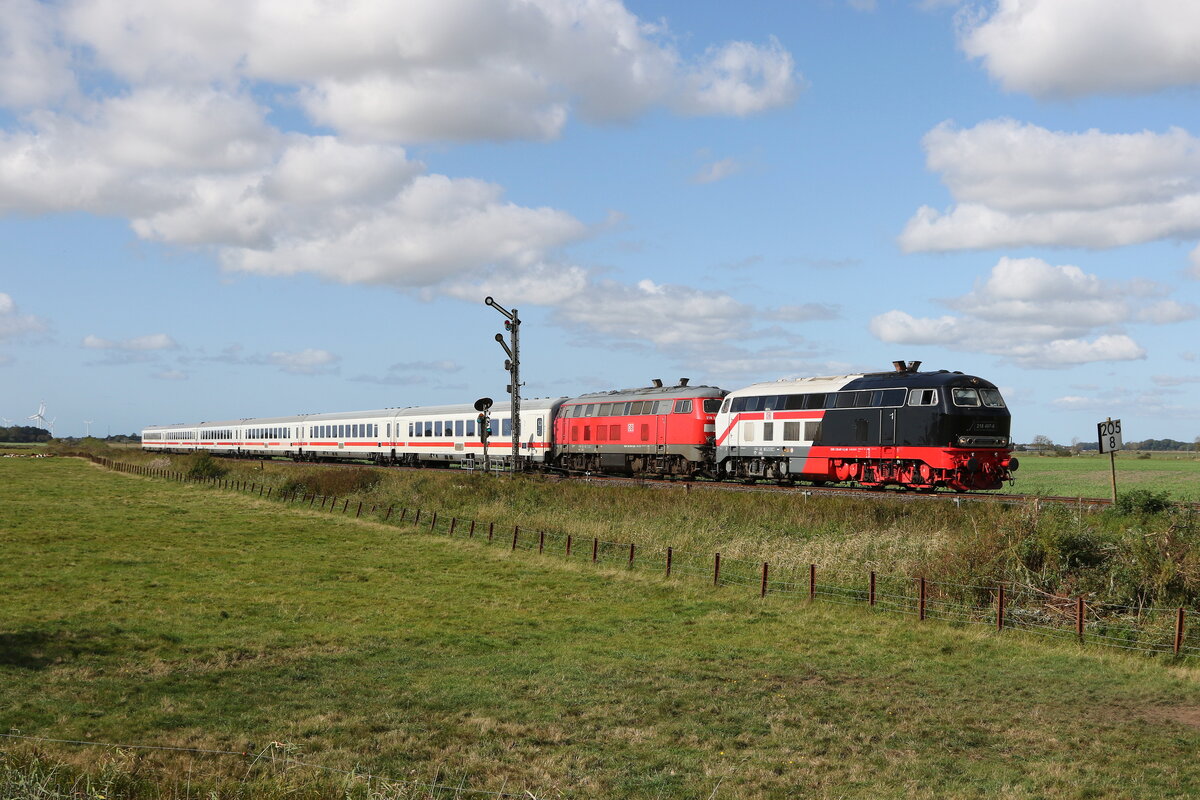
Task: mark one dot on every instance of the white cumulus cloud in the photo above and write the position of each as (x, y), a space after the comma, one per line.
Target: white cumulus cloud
(13, 323)
(1067, 48)
(1018, 184)
(149, 342)
(1039, 315)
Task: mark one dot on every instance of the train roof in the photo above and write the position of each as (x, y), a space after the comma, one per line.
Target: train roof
(647, 393)
(536, 404)
(870, 380)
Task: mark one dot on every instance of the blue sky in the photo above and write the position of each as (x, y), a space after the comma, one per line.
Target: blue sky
(256, 208)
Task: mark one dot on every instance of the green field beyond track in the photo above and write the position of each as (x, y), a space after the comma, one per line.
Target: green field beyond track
(139, 611)
(1091, 475)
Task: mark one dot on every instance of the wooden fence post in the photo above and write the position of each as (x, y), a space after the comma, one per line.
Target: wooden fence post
(921, 600)
(433, 522)
(471, 532)
(358, 512)
(668, 562)
(717, 570)
(453, 522)
(417, 518)
(568, 545)
(1000, 608)
(631, 555)
(764, 581)
(812, 581)
(871, 594)
(345, 505)
(1079, 611)
(541, 542)
(389, 514)
(516, 531)
(403, 513)
(595, 548)
(1179, 630)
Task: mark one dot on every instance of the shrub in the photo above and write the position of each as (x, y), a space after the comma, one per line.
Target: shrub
(205, 466)
(1142, 501)
(332, 482)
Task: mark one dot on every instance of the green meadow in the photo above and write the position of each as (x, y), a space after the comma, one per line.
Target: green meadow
(354, 659)
(1090, 475)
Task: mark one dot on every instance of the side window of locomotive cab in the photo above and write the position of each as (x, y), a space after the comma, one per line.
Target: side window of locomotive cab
(922, 397)
(683, 406)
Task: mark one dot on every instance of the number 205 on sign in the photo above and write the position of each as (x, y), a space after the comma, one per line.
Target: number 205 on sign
(1109, 435)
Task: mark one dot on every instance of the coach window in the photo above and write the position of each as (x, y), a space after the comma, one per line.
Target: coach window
(591, 410)
(812, 431)
(587, 433)
(892, 397)
(459, 428)
(771, 402)
(540, 427)
(506, 427)
(844, 400)
(863, 399)
(768, 431)
(645, 432)
(747, 431)
(683, 406)
(814, 400)
(437, 428)
(860, 430)
(601, 433)
(429, 428)
(791, 431)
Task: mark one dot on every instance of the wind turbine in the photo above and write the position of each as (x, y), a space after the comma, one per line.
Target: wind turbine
(87, 429)
(40, 416)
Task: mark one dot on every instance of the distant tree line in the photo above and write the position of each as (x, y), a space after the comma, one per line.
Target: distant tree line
(1044, 444)
(24, 434)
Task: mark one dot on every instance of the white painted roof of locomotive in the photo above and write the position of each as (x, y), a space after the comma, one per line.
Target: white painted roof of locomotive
(537, 404)
(828, 383)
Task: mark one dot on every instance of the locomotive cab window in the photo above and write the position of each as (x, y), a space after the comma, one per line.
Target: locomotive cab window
(683, 406)
(965, 397)
(992, 398)
(725, 406)
(712, 405)
(922, 397)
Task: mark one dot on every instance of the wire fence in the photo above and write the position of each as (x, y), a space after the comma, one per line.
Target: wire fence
(1005, 606)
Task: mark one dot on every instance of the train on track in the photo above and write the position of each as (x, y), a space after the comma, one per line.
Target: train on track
(903, 428)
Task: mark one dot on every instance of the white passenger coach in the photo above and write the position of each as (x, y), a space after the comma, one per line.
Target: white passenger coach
(417, 435)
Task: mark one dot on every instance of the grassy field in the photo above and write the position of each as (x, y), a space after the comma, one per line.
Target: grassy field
(140, 611)
(1091, 475)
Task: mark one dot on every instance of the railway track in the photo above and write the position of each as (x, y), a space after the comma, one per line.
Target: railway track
(803, 490)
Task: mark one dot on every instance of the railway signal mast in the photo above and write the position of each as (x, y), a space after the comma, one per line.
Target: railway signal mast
(512, 323)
